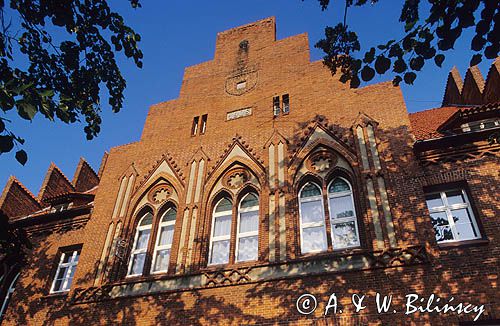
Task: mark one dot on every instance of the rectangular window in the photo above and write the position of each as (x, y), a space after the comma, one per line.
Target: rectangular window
(220, 238)
(65, 271)
(452, 216)
(203, 123)
(194, 129)
(286, 104)
(276, 106)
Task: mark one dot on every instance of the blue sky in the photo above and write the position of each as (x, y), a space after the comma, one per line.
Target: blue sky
(177, 34)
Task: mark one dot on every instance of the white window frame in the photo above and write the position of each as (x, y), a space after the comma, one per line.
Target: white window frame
(71, 265)
(135, 251)
(312, 224)
(240, 235)
(6, 300)
(446, 208)
(159, 247)
(343, 219)
(221, 237)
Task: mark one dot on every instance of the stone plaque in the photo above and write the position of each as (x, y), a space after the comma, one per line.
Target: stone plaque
(239, 114)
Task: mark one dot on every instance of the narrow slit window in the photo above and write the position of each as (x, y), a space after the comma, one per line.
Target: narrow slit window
(286, 104)
(194, 129)
(203, 124)
(276, 106)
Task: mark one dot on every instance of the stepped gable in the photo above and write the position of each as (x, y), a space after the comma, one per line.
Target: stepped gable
(16, 200)
(85, 177)
(474, 90)
(55, 183)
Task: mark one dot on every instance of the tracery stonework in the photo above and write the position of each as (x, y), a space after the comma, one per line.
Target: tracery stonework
(235, 178)
(160, 193)
(321, 161)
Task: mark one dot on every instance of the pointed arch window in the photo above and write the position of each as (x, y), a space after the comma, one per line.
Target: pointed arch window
(312, 219)
(140, 248)
(161, 254)
(221, 232)
(8, 295)
(247, 240)
(342, 214)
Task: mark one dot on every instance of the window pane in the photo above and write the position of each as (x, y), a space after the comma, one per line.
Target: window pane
(250, 201)
(441, 228)
(162, 258)
(434, 200)
(66, 257)
(224, 205)
(166, 235)
(455, 197)
(247, 248)
(77, 257)
(147, 219)
(222, 226)
(169, 215)
(220, 252)
(142, 239)
(338, 185)
(313, 239)
(310, 190)
(463, 224)
(312, 211)
(344, 235)
(138, 263)
(341, 207)
(58, 285)
(61, 274)
(249, 221)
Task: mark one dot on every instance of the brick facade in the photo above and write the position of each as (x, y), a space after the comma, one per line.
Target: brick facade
(364, 136)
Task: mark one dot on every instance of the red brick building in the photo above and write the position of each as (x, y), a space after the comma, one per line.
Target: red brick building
(267, 179)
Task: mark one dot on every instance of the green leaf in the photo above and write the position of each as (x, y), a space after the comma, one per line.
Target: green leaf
(367, 73)
(2, 125)
(369, 56)
(397, 80)
(438, 59)
(417, 63)
(21, 157)
(26, 109)
(476, 59)
(409, 78)
(6, 143)
(382, 64)
(46, 93)
(399, 66)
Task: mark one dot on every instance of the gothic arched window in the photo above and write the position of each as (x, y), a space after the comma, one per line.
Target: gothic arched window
(164, 239)
(342, 214)
(220, 239)
(140, 247)
(247, 240)
(312, 219)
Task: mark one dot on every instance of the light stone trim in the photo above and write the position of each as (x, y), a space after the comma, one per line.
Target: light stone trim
(272, 227)
(126, 199)
(192, 230)
(104, 254)
(282, 226)
(199, 179)
(387, 212)
(272, 175)
(373, 147)
(281, 164)
(375, 217)
(180, 252)
(119, 197)
(191, 182)
(362, 147)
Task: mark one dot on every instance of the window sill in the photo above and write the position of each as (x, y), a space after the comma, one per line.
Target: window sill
(465, 243)
(243, 264)
(56, 295)
(329, 253)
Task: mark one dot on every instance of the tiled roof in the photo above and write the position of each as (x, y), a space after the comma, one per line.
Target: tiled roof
(425, 124)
